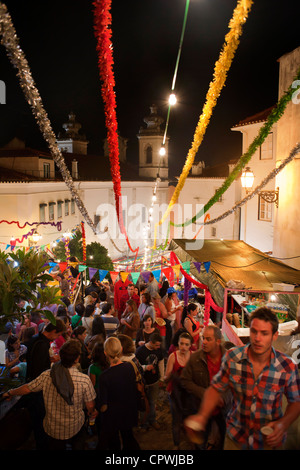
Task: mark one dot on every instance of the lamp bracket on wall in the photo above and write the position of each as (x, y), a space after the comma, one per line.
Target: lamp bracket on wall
(270, 196)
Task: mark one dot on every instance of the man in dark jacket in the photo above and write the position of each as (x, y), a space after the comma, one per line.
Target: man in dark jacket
(196, 377)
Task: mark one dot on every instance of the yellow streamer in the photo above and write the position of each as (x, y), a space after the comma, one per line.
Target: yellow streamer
(222, 66)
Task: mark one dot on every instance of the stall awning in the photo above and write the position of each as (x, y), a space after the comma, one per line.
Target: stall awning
(234, 260)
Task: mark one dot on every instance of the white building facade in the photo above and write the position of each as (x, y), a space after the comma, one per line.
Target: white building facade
(30, 193)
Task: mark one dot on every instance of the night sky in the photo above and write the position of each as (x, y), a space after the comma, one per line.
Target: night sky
(58, 40)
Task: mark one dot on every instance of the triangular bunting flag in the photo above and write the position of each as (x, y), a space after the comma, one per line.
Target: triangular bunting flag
(197, 266)
(176, 269)
(113, 275)
(186, 266)
(92, 272)
(7, 246)
(135, 277)
(81, 267)
(207, 266)
(168, 272)
(102, 274)
(146, 275)
(63, 266)
(157, 273)
(124, 275)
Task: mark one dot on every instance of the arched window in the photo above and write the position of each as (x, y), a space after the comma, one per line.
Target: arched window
(149, 154)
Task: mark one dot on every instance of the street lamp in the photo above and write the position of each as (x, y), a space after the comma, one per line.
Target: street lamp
(247, 179)
(34, 238)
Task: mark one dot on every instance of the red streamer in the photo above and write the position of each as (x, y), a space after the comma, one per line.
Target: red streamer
(103, 33)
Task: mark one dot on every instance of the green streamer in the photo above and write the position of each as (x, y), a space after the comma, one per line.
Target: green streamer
(273, 117)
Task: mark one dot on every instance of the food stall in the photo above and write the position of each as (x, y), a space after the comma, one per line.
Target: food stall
(240, 303)
(241, 278)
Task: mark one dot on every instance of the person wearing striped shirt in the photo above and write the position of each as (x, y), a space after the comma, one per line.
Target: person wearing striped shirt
(111, 323)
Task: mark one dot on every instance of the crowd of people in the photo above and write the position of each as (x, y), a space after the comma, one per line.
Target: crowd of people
(80, 373)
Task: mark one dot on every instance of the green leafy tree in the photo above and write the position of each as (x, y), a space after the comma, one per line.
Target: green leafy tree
(96, 254)
(22, 276)
(75, 247)
(97, 257)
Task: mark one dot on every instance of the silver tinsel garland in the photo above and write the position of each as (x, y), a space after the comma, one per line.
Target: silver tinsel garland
(249, 196)
(16, 56)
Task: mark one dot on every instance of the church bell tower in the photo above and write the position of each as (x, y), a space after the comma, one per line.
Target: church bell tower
(150, 142)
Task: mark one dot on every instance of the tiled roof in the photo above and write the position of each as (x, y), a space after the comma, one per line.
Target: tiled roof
(25, 152)
(217, 171)
(259, 117)
(90, 167)
(8, 175)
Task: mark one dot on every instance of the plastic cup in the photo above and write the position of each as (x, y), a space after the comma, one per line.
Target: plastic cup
(266, 431)
(195, 431)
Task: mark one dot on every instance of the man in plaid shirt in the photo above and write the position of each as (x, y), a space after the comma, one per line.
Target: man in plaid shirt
(258, 377)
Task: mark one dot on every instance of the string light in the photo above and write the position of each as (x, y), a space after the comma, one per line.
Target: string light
(162, 151)
(222, 66)
(172, 99)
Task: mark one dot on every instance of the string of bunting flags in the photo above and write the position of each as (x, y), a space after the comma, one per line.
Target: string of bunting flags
(170, 272)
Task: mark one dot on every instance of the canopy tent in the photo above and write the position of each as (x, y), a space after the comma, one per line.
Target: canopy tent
(234, 260)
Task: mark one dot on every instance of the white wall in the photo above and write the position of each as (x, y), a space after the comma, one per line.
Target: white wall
(287, 223)
(197, 192)
(257, 233)
(20, 202)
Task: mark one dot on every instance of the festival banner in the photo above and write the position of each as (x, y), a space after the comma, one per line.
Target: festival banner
(207, 265)
(186, 266)
(102, 274)
(113, 275)
(135, 276)
(124, 275)
(176, 270)
(157, 273)
(197, 266)
(146, 275)
(81, 267)
(92, 272)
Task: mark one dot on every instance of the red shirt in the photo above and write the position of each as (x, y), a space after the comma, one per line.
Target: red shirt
(120, 289)
(213, 367)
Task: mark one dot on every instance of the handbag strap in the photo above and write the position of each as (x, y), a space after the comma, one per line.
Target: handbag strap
(137, 373)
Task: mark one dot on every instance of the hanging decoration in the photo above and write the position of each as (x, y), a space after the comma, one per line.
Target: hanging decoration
(209, 302)
(103, 33)
(53, 224)
(187, 286)
(17, 57)
(135, 276)
(263, 133)
(83, 242)
(258, 188)
(114, 275)
(222, 66)
(102, 274)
